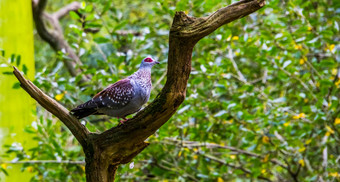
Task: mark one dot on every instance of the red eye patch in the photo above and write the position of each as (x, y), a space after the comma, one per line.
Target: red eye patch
(148, 60)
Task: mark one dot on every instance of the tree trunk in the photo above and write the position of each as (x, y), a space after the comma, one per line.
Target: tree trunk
(104, 152)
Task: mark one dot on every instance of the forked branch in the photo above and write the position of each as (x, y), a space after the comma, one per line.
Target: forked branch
(118, 145)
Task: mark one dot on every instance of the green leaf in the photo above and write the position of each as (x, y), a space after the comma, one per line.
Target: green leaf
(24, 69)
(7, 73)
(18, 60)
(74, 15)
(16, 85)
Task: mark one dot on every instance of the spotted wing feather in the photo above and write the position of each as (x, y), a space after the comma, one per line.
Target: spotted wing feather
(115, 96)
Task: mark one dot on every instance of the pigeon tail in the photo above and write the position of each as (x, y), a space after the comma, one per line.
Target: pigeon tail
(83, 112)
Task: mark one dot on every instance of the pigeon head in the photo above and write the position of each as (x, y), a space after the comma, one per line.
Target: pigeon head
(148, 62)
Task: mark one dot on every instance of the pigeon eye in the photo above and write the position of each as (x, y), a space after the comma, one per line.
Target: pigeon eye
(149, 60)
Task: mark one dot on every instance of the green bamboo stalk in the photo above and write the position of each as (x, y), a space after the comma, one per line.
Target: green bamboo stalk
(16, 107)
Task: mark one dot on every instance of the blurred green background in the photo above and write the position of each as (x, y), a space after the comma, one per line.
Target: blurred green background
(262, 99)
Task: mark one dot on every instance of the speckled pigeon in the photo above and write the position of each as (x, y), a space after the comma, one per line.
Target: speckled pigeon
(122, 98)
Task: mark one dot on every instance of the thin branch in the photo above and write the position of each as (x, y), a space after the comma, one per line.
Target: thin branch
(247, 171)
(239, 73)
(55, 37)
(78, 130)
(198, 28)
(296, 78)
(191, 144)
(177, 171)
(43, 162)
(158, 81)
(74, 6)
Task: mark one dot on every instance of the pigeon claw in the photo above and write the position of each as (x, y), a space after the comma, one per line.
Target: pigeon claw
(122, 121)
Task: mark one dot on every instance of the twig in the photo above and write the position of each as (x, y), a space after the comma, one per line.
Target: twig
(192, 178)
(192, 144)
(247, 171)
(239, 73)
(74, 6)
(296, 78)
(159, 81)
(42, 162)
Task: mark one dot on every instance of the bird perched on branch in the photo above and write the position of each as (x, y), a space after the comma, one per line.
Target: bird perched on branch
(122, 98)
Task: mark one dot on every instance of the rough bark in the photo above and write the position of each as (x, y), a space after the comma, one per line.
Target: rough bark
(105, 151)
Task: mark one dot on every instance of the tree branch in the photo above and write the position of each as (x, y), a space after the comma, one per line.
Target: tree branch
(192, 144)
(43, 162)
(72, 123)
(74, 6)
(118, 145)
(197, 28)
(55, 37)
(247, 171)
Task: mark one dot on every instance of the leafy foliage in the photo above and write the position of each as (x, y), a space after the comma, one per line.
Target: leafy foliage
(262, 99)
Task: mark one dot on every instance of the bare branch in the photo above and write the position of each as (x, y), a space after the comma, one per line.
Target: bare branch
(66, 9)
(197, 28)
(192, 144)
(247, 171)
(43, 162)
(55, 36)
(77, 129)
(239, 73)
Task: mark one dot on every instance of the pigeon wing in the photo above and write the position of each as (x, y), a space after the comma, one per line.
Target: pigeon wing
(114, 96)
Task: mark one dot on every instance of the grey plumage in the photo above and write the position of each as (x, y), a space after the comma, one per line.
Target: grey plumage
(122, 98)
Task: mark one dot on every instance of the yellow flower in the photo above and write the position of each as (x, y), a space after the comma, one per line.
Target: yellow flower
(4, 165)
(195, 157)
(337, 121)
(302, 162)
(302, 149)
(328, 133)
(265, 139)
(334, 174)
(235, 38)
(308, 141)
(286, 124)
(179, 153)
(265, 159)
(301, 115)
(232, 156)
(60, 96)
(297, 46)
(309, 28)
(334, 71)
(331, 47)
(337, 83)
(29, 169)
(317, 84)
(263, 171)
(219, 179)
(302, 61)
(329, 129)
